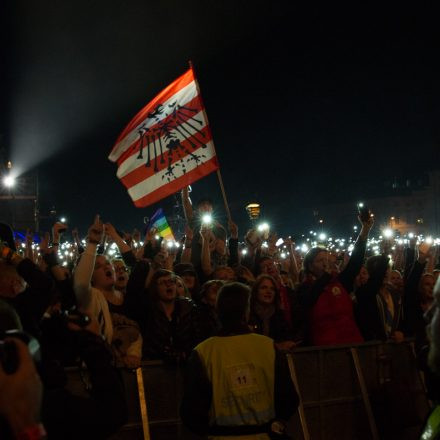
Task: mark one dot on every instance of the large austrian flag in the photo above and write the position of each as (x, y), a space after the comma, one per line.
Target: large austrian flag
(167, 145)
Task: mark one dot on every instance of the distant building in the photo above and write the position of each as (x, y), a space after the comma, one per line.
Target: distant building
(410, 205)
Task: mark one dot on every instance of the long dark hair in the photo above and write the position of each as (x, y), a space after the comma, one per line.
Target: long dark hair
(256, 286)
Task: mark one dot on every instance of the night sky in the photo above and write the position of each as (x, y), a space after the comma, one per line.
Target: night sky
(307, 107)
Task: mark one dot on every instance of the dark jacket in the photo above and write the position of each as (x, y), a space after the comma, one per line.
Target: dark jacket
(162, 339)
(371, 308)
(279, 329)
(208, 322)
(170, 340)
(69, 416)
(34, 301)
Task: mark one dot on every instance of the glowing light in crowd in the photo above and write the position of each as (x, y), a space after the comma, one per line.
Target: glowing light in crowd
(304, 248)
(279, 242)
(388, 233)
(9, 181)
(283, 255)
(429, 240)
(63, 220)
(207, 219)
(322, 236)
(411, 235)
(157, 237)
(244, 252)
(263, 227)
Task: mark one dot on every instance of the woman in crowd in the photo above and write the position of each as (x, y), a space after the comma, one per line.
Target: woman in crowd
(209, 323)
(266, 317)
(325, 296)
(379, 303)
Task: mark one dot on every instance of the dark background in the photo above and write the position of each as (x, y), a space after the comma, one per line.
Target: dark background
(307, 106)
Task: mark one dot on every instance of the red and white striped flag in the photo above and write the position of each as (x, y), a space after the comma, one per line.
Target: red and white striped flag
(167, 145)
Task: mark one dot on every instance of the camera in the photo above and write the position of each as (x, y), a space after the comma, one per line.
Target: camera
(8, 350)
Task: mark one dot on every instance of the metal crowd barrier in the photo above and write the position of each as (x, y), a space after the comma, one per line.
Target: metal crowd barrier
(366, 391)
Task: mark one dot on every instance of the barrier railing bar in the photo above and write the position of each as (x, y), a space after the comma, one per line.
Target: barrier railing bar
(142, 403)
(330, 402)
(366, 399)
(302, 415)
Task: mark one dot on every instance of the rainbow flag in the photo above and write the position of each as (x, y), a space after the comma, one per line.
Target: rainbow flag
(159, 221)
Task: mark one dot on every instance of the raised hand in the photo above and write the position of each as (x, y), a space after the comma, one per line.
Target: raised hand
(96, 231)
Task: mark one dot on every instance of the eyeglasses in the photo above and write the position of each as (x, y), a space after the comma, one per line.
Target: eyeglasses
(167, 282)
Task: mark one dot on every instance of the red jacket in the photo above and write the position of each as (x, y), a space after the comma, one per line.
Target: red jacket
(331, 319)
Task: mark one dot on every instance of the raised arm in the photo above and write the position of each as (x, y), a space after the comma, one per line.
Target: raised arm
(113, 234)
(84, 270)
(205, 233)
(186, 253)
(187, 206)
(347, 276)
(233, 244)
(293, 266)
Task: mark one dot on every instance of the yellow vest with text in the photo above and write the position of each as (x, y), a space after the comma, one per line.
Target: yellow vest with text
(241, 371)
(432, 428)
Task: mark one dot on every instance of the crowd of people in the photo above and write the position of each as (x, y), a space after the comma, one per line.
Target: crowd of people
(114, 299)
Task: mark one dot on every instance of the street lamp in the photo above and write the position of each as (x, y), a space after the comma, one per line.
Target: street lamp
(253, 209)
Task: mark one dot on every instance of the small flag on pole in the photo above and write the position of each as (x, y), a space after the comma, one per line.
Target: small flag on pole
(167, 145)
(159, 221)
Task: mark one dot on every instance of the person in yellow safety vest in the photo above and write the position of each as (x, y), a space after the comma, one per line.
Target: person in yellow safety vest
(432, 427)
(237, 386)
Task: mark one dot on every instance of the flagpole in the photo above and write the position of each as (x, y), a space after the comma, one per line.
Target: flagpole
(219, 175)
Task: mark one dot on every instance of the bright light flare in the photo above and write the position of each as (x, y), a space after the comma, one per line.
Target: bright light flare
(388, 233)
(263, 227)
(279, 242)
(207, 219)
(322, 236)
(9, 181)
